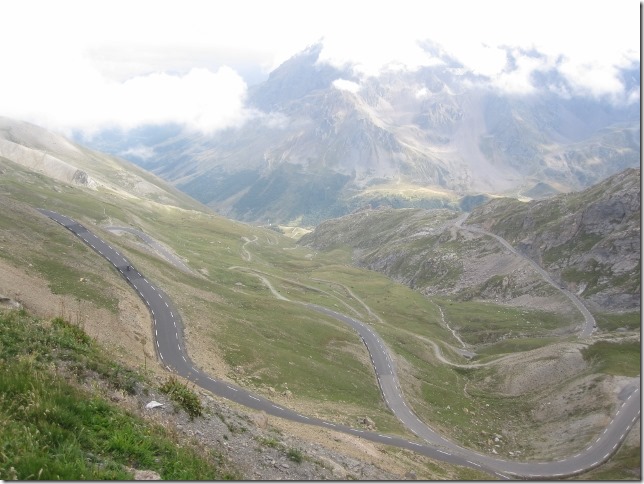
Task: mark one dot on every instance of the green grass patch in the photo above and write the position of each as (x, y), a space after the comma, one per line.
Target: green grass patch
(481, 323)
(295, 455)
(21, 335)
(615, 321)
(182, 396)
(64, 279)
(514, 345)
(54, 430)
(614, 358)
(298, 347)
(271, 442)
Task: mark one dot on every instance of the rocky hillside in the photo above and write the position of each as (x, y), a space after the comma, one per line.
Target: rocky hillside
(47, 153)
(588, 240)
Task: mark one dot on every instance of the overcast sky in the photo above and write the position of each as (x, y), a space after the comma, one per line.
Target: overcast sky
(88, 65)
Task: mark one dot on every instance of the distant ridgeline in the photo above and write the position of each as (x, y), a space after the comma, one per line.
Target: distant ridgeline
(431, 138)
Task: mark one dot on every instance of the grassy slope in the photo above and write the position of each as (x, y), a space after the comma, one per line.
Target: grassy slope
(442, 395)
(53, 429)
(232, 315)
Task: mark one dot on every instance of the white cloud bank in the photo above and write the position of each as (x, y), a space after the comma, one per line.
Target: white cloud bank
(201, 100)
(74, 64)
(587, 43)
(345, 85)
(72, 94)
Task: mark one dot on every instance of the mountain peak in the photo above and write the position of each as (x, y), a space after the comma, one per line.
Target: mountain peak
(294, 79)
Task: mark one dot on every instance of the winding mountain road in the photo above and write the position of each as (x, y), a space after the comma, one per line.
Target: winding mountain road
(589, 321)
(170, 346)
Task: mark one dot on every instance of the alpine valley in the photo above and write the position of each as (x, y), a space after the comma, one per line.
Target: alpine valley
(453, 292)
(513, 331)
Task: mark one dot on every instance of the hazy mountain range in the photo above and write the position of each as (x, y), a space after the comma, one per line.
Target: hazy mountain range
(321, 141)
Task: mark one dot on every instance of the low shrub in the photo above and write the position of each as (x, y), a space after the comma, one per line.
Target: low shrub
(183, 396)
(295, 455)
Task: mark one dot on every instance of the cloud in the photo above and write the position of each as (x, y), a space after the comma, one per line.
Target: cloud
(518, 75)
(201, 100)
(528, 72)
(141, 152)
(119, 63)
(77, 96)
(587, 43)
(423, 93)
(593, 78)
(345, 85)
(372, 54)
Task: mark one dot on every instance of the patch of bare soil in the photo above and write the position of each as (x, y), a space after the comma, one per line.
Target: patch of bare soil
(127, 332)
(570, 404)
(532, 371)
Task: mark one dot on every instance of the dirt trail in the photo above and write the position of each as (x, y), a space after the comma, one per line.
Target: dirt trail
(354, 296)
(435, 347)
(246, 255)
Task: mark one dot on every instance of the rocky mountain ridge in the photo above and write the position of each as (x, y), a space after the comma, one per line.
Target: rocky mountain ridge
(54, 156)
(588, 241)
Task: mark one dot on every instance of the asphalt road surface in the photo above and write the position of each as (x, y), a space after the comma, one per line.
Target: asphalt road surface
(170, 346)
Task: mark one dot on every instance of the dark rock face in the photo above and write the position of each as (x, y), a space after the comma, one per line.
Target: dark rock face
(81, 178)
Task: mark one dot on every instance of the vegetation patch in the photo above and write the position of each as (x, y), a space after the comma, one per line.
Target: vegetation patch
(295, 455)
(182, 396)
(480, 323)
(616, 321)
(271, 442)
(614, 358)
(61, 341)
(64, 279)
(514, 345)
(55, 430)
